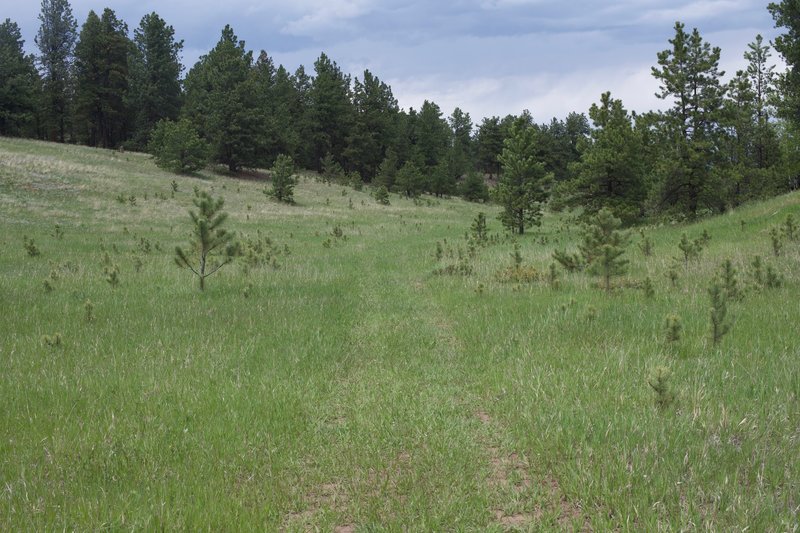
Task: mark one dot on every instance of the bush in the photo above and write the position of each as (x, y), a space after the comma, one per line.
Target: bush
(177, 147)
(283, 180)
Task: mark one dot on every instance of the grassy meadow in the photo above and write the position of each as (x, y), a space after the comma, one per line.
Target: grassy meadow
(344, 385)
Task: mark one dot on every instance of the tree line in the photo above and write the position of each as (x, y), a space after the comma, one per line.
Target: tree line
(719, 143)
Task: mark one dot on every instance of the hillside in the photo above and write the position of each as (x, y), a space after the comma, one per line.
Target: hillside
(339, 382)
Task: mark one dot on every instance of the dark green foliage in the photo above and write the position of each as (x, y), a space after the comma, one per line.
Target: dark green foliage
(374, 126)
(101, 76)
(570, 262)
(489, 144)
(210, 245)
(689, 75)
(474, 188)
(382, 195)
(603, 247)
(330, 109)
(387, 171)
(516, 255)
(56, 42)
(88, 311)
(719, 311)
(177, 147)
(222, 102)
(522, 188)
(611, 169)
(757, 271)
(283, 180)
(19, 83)
(331, 170)
(787, 16)
(409, 180)
(659, 382)
(155, 67)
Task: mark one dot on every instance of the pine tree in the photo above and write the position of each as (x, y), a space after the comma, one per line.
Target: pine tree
(522, 188)
(689, 74)
(101, 72)
(603, 247)
(155, 92)
(211, 244)
(331, 112)
(474, 189)
(177, 147)
(222, 102)
(432, 136)
(786, 14)
(283, 180)
(18, 83)
(56, 42)
(719, 312)
(410, 180)
(611, 169)
(374, 126)
(489, 145)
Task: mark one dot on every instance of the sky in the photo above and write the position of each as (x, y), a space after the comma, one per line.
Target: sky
(488, 57)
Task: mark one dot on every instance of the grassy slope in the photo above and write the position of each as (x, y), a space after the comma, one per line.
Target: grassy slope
(354, 387)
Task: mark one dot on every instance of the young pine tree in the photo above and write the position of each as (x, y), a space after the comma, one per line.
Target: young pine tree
(719, 312)
(283, 181)
(211, 245)
(604, 245)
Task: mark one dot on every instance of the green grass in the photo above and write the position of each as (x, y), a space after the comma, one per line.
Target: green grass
(352, 387)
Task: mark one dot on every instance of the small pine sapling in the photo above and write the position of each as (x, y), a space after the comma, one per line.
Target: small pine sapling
(672, 274)
(790, 228)
(53, 341)
(88, 310)
(111, 274)
(516, 255)
(659, 382)
(211, 244)
(773, 279)
(552, 277)
(382, 195)
(777, 242)
(673, 329)
(690, 249)
(30, 247)
(719, 312)
(756, 270)
(570, 262)
(58, 232)
(647, 287)
(604, 245)
(439, 251)
(479, 231)
(646, 244)
(729, 281)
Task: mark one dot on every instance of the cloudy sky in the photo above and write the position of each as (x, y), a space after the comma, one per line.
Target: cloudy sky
(489, 57)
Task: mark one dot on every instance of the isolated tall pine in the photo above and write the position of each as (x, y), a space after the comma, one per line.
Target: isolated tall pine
(522, 187)
(19, 83)
(56, 43)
